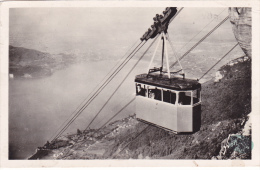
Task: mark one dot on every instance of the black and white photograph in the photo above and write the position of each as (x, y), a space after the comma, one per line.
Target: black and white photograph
(131, 83)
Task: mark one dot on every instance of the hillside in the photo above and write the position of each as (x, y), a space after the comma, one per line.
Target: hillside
(29, 63)
(225, 106)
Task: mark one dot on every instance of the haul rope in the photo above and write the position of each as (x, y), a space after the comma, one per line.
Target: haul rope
(218, 61)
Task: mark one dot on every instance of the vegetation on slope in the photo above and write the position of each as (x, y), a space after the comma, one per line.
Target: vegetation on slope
(231, 97)
(225, 106)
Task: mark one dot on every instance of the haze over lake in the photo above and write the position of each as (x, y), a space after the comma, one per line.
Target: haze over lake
(37, 107)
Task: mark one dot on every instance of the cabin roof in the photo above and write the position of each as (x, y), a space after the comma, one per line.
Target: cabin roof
(174, 83)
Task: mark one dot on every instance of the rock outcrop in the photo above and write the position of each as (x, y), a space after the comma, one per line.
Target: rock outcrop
(241, 19)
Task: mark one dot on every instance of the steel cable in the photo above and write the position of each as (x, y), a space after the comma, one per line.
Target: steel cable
(95, 94)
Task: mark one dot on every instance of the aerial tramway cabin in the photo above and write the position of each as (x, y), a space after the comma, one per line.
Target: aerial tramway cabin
(173, 104)
(167, 100)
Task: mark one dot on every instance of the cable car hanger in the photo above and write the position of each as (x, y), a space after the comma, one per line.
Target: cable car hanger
(164, 48)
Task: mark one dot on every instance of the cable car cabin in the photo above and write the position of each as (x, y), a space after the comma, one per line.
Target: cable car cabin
(173, 104)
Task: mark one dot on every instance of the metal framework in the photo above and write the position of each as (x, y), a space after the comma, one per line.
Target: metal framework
(165, 40)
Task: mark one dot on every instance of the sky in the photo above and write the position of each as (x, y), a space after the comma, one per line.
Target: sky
(72, 30)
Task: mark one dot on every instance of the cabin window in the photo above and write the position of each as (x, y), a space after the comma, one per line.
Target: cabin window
(169, 96)
(196, 96)
(140, 90)
(184, 98)
(154, 93)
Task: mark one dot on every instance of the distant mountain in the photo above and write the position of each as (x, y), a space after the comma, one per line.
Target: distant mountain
(23, 56)
(30, 63)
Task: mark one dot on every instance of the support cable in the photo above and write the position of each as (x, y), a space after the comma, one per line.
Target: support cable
(121, 82)
(153, 56)
(218, 61)
(174, 52)
(167, 58)
(202, 39)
